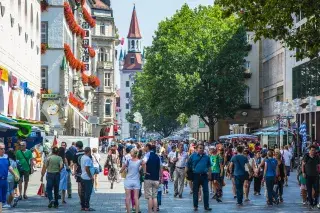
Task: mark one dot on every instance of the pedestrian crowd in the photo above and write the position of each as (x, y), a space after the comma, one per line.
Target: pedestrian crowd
(148, 168)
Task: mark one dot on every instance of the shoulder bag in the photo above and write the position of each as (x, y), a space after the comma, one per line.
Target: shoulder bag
(190, 174)
(100, 168)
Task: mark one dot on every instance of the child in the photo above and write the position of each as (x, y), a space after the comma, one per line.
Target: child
(159, 196)
(302, 183)
(165, 177)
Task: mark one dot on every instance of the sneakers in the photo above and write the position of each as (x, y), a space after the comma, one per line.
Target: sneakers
(6, 206)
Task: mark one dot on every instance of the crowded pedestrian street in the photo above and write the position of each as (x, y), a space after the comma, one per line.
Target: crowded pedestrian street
(112, 200)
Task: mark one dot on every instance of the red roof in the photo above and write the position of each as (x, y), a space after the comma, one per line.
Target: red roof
(101, 5)
(134, 31)
(137, 65)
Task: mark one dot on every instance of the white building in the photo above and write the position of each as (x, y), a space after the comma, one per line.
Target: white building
(66, 105)
(20, 59)
(104, 40)
(129, 66)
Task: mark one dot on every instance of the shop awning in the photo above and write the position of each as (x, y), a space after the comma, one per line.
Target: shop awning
(78, 112)
(5, 119)
(4, 126)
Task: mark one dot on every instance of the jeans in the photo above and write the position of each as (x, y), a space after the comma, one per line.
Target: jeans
(159, 198)
(179, 175)
(86, 190)
(280, 186)
(53, 181)
(270, 185)
(257, 184)
(313, 183)
(200, 180)
(3, 190)
(239, 181)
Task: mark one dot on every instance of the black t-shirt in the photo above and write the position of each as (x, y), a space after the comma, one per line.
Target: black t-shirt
(69, 156)
(120, 149)
(311, 165)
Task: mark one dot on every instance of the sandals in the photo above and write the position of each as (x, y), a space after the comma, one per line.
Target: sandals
(25, 197)
(89, 210)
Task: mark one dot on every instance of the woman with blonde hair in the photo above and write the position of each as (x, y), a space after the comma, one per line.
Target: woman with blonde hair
(132, 181)
(96, 164)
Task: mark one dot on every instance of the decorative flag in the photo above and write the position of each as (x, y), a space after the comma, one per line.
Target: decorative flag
(122, 41)
(303, 133)
(55, 142)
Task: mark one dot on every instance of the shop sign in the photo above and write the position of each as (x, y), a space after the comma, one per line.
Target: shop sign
(50, 96)
(86, 44)
(4, 74)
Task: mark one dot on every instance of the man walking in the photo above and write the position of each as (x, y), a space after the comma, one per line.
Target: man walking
(152, 170)
(180, 161)
(69, 156)
(171, 164)
(310, 165)
(238, 162)
(52, 166)
(24, 156)
(77, 165)
(87, 179)
(200, 165)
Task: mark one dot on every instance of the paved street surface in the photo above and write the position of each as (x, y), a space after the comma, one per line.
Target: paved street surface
(108, 201)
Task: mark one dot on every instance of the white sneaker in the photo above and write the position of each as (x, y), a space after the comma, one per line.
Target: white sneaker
(7, 206)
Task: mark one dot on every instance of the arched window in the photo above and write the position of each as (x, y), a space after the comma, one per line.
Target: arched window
(138, 45)
(101, 54)
(132, 44)
(108, 108)
(26, 8)
(37, 24)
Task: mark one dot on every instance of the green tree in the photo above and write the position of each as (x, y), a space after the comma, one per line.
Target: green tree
(275, 20)
(195, 66)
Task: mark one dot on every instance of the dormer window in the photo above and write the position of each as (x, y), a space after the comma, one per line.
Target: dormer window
(132, 60)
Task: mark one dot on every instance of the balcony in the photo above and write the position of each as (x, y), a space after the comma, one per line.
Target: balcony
(108, 65)
(108, 90)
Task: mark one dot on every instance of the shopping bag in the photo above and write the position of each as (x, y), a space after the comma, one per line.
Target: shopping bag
(41, 190)
(105, 172)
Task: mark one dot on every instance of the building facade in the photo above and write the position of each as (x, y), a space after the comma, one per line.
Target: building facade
(66, 28)
(20, 59)
(104, 40)
(130, 64)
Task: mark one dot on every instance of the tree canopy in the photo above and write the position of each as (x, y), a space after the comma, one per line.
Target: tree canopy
(275, 19)
(194, 66)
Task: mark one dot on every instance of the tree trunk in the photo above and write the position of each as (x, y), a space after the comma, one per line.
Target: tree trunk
(211, 129)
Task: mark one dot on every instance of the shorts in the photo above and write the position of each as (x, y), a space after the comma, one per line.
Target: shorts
(11, 188)
(132, 184)
(215, 176)
(24, 176)
(151, 188)
(288, 170)
(247, 177)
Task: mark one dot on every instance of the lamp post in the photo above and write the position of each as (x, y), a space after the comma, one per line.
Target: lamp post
(297, 109)
(311, 107)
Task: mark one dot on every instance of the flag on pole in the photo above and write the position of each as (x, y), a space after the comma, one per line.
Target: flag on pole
(55, 142)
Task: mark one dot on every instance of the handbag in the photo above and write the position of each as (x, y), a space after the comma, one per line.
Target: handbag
(105, 171)
(100, 168)
(190, 174)
(17, 175)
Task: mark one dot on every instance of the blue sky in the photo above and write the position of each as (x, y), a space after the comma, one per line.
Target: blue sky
(150, 13)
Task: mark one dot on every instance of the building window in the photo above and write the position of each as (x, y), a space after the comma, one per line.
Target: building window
(44, 32)
(127, 95)
(31, 15)
(107, 79)
(101, 54)
(108, 108)
(26, 8)
(247, 65)
(132, 60)
(37, 24)
(247, 96)
(102, 29)
(127, 83)
(132, 44)
(44, 77)
(127, 106)
(280, 93)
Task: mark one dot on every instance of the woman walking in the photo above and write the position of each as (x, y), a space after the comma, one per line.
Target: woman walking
(96, 164)
(258, 174)
(248, 176)
(63, 185)
(282, 176)
(112, 165)
(271, 171)
(132, 181)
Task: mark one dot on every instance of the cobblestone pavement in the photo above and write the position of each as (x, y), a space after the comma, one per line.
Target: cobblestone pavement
(108, 201)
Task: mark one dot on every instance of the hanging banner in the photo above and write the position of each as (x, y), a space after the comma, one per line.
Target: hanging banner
(4, 74)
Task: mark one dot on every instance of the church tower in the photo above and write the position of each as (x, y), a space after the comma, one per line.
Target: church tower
(130, 63)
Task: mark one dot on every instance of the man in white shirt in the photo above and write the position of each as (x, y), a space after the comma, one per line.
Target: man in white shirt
(287, 156)
(171, 164)
(87, 179)
(180, 160)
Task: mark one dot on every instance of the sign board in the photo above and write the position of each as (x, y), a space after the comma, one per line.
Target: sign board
(50, 96)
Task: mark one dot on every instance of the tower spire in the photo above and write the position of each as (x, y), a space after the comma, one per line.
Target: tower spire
(134, 30)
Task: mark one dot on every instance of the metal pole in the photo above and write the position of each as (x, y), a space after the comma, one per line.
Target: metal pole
(315, 125)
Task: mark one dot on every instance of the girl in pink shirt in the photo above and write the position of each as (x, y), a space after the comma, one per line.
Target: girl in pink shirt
(165, 179)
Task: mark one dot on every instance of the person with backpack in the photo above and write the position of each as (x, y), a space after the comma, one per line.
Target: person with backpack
(77, 165)
(180, 161)
(271, 173)
(310, 171)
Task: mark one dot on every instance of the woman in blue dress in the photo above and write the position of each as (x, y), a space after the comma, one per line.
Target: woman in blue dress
(63, 175)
